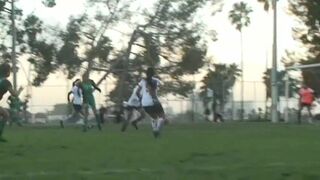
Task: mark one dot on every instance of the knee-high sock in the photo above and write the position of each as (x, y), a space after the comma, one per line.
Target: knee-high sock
(159, 123)
(154, 124)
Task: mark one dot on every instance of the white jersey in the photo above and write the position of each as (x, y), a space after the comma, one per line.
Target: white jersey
(134, 99)
(77, 95)
(147, 99)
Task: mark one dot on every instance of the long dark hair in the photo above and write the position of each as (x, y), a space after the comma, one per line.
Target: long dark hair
(75, 81)
(5, 70)
(150, 73)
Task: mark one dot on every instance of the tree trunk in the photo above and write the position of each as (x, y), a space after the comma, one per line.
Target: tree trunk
(124, 74)
(242, 83)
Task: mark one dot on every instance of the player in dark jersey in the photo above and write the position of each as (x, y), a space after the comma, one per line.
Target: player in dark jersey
(5, 86)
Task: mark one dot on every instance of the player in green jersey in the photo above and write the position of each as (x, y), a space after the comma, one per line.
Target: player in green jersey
(5, 86)
(15, 105)
(88, 86)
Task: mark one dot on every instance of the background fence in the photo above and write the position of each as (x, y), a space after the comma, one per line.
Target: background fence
(52, 100)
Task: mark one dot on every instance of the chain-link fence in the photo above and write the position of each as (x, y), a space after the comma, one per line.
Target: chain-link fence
(51, 100)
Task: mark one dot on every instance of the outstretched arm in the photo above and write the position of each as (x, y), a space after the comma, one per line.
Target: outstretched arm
(69, 93)
(95, 86)
(138, 92)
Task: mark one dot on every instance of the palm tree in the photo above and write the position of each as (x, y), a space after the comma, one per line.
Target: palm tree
(266, 4)
(220, 80)
(274, 91)
(239, 16)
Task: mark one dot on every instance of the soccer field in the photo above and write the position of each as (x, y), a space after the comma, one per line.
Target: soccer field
(240, 151)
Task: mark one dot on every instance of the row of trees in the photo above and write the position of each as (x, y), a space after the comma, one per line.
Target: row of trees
(308, 34)
(167, 36)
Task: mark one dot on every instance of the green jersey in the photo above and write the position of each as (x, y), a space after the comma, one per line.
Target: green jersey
(87, 90)
(15, 103)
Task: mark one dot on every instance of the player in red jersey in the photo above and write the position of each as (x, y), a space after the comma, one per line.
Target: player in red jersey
(306, 99)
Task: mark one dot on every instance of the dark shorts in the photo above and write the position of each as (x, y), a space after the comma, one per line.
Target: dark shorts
(155, 109)
(130, 108)
(305, 105)
(77, 107)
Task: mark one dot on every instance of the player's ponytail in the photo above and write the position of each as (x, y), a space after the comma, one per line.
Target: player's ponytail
(74, 82)
(150, 73)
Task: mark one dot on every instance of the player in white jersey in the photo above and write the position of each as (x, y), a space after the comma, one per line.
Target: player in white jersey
(131, 106)
(77, 100)
(148, 87)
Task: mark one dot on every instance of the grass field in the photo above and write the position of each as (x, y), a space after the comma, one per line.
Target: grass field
(240, 151)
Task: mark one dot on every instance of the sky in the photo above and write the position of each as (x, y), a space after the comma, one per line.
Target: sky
(257, 43)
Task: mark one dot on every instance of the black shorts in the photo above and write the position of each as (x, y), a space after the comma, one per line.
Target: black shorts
(155, 109)
(308, 105)
(130, 108)
(77, 107)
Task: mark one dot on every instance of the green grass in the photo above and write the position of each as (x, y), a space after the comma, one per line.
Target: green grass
(239, 151)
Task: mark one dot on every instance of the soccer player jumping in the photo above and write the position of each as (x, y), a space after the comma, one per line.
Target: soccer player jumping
(88, 86)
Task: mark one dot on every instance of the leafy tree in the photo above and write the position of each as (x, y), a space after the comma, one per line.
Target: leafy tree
(169, 41)
(311, 76)
(308, 14)
(266, 4)
(293, 88)
(220, 80)
(6, 29)
(165, 36)
(30, 39)
(49, 3)
(85, 43)
(239, 17)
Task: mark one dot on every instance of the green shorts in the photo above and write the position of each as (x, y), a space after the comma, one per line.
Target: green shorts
(90, 101)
